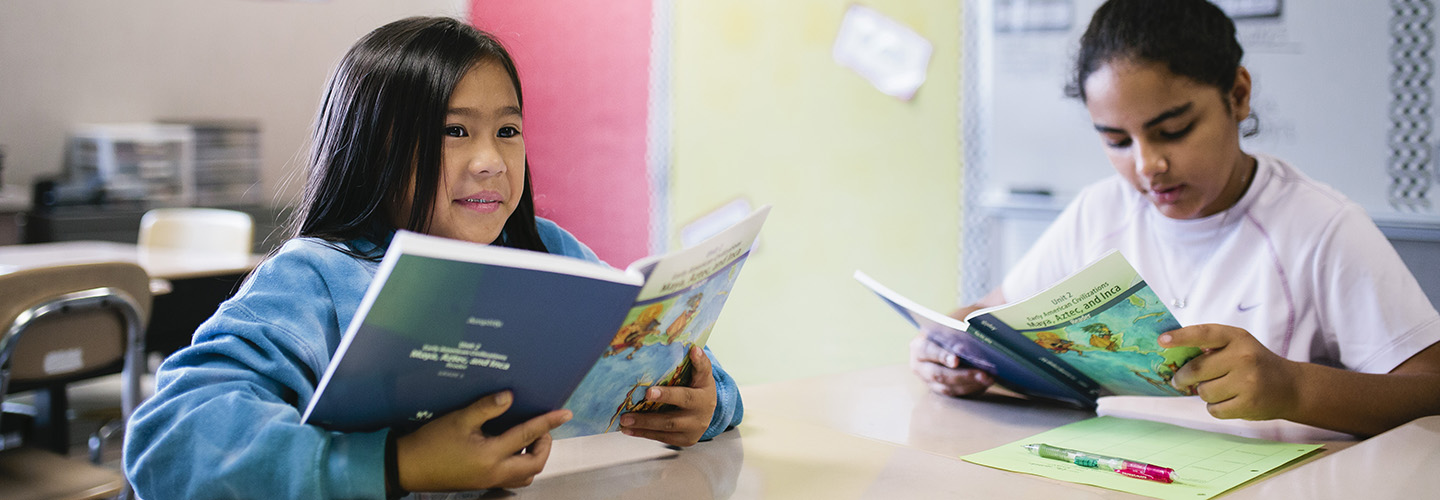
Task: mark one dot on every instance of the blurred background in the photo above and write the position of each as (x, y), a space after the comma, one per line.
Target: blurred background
(642, 118)
(649, 120)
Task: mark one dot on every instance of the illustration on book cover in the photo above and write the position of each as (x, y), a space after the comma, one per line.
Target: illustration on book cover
(1118, 345)
(649, 349)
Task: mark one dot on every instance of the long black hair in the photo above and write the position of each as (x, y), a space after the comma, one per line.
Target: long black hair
(1192, 38)
(383, 117)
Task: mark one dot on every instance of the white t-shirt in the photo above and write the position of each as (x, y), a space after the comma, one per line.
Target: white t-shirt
(1294, 262)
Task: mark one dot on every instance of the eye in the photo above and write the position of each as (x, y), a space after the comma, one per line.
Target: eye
(507, 131)
(1116, 141)
(456, 131)
(1178, 133)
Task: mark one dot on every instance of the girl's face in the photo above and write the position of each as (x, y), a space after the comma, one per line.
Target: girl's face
(1176, 140)
(482, 158)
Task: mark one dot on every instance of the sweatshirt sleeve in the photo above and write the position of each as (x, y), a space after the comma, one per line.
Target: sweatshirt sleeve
(225, 419)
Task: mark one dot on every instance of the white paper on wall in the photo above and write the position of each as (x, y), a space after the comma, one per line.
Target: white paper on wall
(889, 54)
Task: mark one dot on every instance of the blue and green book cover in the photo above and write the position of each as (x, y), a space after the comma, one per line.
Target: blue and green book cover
(1092, 334)
(446, 322)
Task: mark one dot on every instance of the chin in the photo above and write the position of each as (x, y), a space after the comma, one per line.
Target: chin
(1175, 212)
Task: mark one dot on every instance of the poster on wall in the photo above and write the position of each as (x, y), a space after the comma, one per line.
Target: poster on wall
(885, 52)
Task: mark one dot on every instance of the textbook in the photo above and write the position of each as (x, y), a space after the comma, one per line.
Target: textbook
(1092, 334)
(446, 322)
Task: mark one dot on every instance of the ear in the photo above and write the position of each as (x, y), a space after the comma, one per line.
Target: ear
(1240, 94)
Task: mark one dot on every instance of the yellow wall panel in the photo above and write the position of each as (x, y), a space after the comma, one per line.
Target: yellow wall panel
(858, 179)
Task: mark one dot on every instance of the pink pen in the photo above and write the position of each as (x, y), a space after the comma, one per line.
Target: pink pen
(1131, 468)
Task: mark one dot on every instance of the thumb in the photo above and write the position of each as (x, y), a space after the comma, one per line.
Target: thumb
(485, 409)
(701, 375)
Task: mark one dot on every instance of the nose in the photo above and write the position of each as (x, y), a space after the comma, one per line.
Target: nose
(1150, 161)
(486, 160)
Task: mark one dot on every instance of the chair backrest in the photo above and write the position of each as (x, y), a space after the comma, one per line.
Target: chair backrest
(209, 229)
(65, 323)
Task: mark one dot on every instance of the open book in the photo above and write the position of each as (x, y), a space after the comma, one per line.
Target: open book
(1092, 334)
(446, 322)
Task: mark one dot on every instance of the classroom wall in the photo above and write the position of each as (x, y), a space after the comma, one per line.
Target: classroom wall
(585, 70)
(858, 179)
(64, 62)
(1323, 100)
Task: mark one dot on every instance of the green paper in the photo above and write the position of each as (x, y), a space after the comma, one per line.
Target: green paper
(1206, 463)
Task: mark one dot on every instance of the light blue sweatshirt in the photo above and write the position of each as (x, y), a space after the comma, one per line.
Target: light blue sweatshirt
(225, 418)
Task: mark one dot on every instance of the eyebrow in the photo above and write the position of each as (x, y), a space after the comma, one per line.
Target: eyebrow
(1164, 115)
(502, 111)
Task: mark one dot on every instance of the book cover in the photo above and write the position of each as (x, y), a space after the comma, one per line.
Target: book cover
(677, 308)
(1092, 334)
(446, 322)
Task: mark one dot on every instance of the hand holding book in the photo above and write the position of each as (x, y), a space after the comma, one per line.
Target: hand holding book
(944, 372)
(1241, 378)
(685, 412)
(1092, 334)
(453, 447)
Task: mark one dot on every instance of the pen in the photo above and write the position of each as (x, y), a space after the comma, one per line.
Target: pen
(1139, 470)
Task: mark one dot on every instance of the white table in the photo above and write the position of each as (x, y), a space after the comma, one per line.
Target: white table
(163, 264)
(889, 404)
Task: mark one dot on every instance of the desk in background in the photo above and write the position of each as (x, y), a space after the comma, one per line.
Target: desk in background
(198, 281)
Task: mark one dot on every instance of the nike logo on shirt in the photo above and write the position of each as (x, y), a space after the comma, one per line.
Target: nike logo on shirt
(1244, 308)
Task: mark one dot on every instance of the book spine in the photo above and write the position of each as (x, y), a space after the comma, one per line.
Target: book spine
(996, 333)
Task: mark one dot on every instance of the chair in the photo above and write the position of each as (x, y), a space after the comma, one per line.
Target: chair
(205, 229)
(64, 324)
(183, 304)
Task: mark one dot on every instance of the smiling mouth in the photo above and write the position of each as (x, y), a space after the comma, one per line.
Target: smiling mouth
(479, 200)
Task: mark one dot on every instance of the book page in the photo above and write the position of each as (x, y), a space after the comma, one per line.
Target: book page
(1206, 463)
(673, 272)
(1103, 320)
(677, 308)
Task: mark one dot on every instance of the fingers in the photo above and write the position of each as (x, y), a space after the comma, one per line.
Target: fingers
(1237, 376)
(1208, 337)
(923, 350)
(533, 430)
(1226, 349)
(533, 438)
(451, 452)
(676, 428)
(689, 412)
(485, 409)
(940, 370)
(701, 391)
(955, 383)
(683, 397)
(520, 469)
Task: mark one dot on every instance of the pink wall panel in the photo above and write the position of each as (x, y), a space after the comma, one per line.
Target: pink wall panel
(585, 71)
